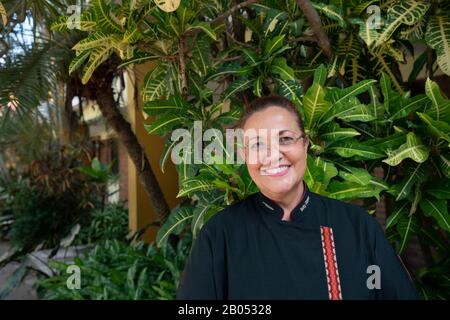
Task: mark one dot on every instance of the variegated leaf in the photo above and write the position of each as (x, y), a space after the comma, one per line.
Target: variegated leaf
(412, 148)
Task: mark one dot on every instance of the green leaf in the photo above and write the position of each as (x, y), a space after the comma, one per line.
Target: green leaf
(407, 227)
(96, 58)
(400, 210)
(318, 174)
(228, 69)
(201, 214)
(186, 169)
(413, 33)
(162, 125)
(381, 63)
(440, 105)
(437, 37)
(169, 144)
(439, 129)
(332, 12)
(296, 27)
(237, 86)
(251, 57)
(407, 12)
(304, 72)
(291, 90)
(132, 34)
(78, 61)
(332, 132)
(156, 107)
(155, 83)
(434, 238)
(258, 86)
(13, 280)
(352, 148)
(417, 68)
(192, 185)
(408, 105)
(94, 40)
(60, 24)
(350, 190)
(206, 28)
(315, 105)
(177, 219)
(367, 32)
(388, 143)
(413, 175)
(138, 58)
(279, 66)
(273, 17)
(200, 55)
(87, 22)
(440, 189)
(340, 99)
(337, 95)
(320, 75)
(273, 45)
(104, 17)
(438, 209)
(359, 112)
(357, 175)
(413, 148)
(130, 277)
(184, 15)
(390, 96)
(229, 117)
(444, 163)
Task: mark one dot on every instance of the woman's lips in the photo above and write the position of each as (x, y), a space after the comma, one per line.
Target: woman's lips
(276, 172)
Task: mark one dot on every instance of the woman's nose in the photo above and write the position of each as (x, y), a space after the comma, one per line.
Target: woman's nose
(271, 156)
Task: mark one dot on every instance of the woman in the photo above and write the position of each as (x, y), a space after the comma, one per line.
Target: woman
(286, 242)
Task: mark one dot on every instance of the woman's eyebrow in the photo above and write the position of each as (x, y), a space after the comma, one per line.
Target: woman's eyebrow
(286, 131)
(264, 136)
(253, 138)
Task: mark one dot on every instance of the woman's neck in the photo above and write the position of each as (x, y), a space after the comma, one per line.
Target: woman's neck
(289, 201)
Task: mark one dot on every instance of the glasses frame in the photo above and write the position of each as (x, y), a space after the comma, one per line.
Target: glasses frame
(280, 146)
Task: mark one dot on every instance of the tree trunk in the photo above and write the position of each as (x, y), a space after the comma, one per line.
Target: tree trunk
(102, 82)
(316, 25)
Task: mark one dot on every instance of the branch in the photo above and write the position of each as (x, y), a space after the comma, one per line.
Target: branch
(245, 45)
(229, 12)
(305, 39)
(182, 49)
(223, 16)
(316, 25)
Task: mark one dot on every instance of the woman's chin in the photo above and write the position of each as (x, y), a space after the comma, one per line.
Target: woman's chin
(279, 188)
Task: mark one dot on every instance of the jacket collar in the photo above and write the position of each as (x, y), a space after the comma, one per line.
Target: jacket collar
(271, 207)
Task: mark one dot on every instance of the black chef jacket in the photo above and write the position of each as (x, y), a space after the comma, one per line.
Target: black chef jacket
(329, 250)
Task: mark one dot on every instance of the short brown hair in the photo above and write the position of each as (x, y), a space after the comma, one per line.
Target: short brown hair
(263, 103)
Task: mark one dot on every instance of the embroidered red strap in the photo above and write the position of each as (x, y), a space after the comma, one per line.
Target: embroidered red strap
(331, 267)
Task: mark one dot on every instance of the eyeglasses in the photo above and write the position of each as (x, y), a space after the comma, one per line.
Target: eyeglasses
(285, 142)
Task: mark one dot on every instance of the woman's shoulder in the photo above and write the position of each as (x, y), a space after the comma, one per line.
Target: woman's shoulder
(232, 214)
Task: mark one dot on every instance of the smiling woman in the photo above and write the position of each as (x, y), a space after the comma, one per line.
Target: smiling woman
(280, 159)
(286, 242)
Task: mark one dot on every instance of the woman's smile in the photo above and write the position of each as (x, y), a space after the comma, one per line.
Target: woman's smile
(275, 172)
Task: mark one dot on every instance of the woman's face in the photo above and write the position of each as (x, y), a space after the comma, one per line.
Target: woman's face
(273, 134)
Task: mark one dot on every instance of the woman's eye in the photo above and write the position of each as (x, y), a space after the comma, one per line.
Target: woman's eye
(255, 146)
(286, 140)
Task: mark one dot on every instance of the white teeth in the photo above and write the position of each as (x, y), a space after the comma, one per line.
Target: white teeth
(275, 170)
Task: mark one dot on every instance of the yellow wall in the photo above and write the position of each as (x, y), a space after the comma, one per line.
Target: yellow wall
(140, 210)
